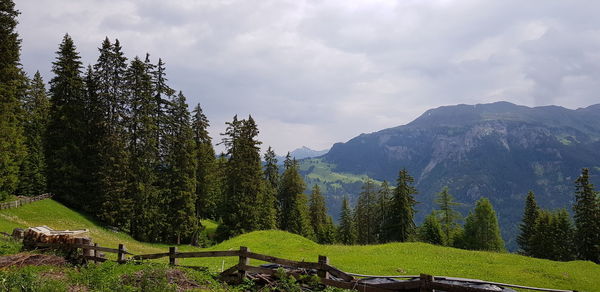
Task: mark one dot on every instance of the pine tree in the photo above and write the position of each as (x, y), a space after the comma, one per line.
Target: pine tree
(66, 132)
(36, 108)
(481, 228)
(366, 214)
(347, 229)
(271, 169)
(527, 225)
(112, 170)
(300, 211)
(12, 91)
(291, 186)
(206, 189)
(318, 215)
(245, 187)
(431, 230)
(402, 209)
(384, 198)
(271, 174)
(143, 150)
(180, 195)
(587, 219)
(448, 217)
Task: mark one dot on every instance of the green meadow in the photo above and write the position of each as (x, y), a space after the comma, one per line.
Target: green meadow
(385, 259)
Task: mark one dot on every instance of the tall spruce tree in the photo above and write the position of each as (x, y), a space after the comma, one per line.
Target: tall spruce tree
(367, 214)
(271, 174)
(384, 198)
(66, 132)
(36, 109)
(12, 90)
(402, 209)
(113, 157)
(245, 184)
(347, 229)
(143, 150)
(587, 218)
(300, 212)
(207, 192)
(290, 187)
(318, 216)
(271, 168)
(527, 226)
(180, 178)
(447, 216)
(481, 228)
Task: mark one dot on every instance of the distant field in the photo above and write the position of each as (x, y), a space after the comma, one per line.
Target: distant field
(386, 259)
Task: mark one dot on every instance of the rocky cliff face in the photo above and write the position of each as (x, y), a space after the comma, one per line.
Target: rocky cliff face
(498, 150)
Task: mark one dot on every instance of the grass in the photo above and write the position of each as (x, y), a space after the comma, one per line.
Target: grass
(386, 259)
(324, 172)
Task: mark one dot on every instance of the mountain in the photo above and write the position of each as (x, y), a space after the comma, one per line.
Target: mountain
(302, 153)
(498, 150)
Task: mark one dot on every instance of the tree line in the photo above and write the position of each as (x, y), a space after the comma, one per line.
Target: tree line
(113, 139)
(552, 234)
(385, 214)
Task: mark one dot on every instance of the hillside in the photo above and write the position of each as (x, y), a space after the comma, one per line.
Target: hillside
(393, 258)
(498, 150)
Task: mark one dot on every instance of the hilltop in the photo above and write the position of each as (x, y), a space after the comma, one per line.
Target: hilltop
(386, 259)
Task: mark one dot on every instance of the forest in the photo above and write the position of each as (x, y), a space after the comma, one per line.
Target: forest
(114, 140)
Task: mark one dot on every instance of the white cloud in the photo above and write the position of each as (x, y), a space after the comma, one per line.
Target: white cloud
(318, 72)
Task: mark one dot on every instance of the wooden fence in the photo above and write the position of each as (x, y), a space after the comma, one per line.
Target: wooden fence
(22, 201)
(328, 274)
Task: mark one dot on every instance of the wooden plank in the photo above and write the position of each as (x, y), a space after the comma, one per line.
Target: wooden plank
(229, 271)
(500, 284)
(258, 270)
(285, 262)
(338, 273)
(353, 286)
(98, 248)
(150, 256)
(399, 286)
(208, 254)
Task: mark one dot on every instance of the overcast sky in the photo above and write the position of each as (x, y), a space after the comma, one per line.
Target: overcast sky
(318, 72)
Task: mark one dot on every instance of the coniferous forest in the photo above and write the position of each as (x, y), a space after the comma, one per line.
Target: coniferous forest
(114, 140)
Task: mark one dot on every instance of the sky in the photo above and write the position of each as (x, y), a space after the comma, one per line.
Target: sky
(318, 72)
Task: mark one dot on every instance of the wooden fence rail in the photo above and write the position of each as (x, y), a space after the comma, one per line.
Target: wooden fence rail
(328, 275)
(23, 200)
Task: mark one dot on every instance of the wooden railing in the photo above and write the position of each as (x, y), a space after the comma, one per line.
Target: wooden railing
(328, 274)
(22, 201)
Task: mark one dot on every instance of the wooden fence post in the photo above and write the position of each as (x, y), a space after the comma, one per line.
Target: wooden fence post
(322, 272)
(426, 283)
(95, 253)
(121, 254)
(172, 252)
(86, 252)
(244, 261)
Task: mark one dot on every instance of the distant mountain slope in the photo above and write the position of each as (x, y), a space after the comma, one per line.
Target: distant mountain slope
(498, 150)
(305, 152)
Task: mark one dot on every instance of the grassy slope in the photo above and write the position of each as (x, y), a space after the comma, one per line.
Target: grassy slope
(387, 259)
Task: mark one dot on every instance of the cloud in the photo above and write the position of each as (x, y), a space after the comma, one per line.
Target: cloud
(318, 72)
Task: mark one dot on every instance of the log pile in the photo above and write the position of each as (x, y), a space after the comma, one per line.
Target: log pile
(44, 235)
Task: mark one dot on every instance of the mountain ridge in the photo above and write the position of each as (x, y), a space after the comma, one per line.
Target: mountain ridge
(497, 150)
